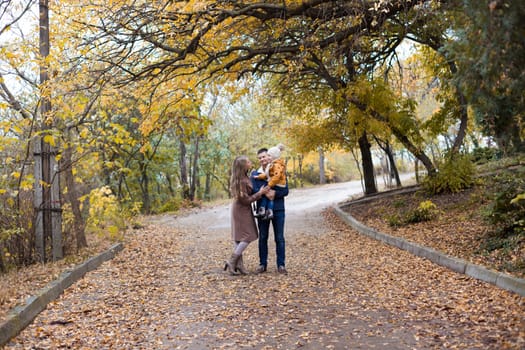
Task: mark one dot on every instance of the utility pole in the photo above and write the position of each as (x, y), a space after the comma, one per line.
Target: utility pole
(48, 220)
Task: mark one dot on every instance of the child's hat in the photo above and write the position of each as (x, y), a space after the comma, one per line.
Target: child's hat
(275, 152)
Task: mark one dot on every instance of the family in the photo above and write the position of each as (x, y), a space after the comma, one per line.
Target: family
(267, 187)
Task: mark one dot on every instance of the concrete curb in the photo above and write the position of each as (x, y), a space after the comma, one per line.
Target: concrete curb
(21, 316)
(501, 280)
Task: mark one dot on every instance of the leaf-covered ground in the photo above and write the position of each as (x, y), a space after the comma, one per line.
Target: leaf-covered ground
(18, 285)
(459, 228)
(167, 290)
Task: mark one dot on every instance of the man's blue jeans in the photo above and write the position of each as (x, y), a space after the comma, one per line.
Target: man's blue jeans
(278, 231)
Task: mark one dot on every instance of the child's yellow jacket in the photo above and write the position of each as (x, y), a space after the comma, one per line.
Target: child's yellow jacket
(276, 173)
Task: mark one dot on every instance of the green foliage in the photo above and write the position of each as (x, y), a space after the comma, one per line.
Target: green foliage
(395, 220)
(171, 205)
(134, 208)
(311, 174)
(456, 173)
(9, 239)
(105, 214)
(506, 212)
(481, 155)
(399, 203)
(489, 52)
(501, 163)
(504, 249)
(425, 211)
(16, 232)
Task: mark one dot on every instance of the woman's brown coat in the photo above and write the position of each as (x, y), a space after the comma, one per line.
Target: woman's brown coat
(243, 224)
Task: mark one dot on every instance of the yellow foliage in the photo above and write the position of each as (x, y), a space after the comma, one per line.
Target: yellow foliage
(6, 125)
(105, 214)
(50, 139)
(27, 184)
(15, 128)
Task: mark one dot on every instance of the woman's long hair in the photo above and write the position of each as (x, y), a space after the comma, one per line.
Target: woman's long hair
(238, 173)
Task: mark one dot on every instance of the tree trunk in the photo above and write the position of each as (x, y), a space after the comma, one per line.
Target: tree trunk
(195, 170)
(207, 187)
(358, 166)
(183, 170)
(322, 175)
(394, 173)
(368, 165)
(72, 197)
(170, 185)
(300, 161)
(387, 148)
(518, 143)
(144, 184)
(462, 101)
(121, 182)
(416, 170)
(2, 264)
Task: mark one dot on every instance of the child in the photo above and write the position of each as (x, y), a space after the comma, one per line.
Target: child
(275, 173)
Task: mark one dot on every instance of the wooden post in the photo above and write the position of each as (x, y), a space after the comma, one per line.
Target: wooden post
(55, 206)
(38, 202)
(48, 218)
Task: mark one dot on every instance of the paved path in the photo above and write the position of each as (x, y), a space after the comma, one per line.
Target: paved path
(167, 290)
(303, 205)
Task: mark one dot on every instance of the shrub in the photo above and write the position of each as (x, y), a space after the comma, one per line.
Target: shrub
(16, 230)
(172, 205)
(105, 214)
(399, 203)
(395, 220)
(456, 173)
(482, 155)
(13, 248)
(506, 212)
(425, 211)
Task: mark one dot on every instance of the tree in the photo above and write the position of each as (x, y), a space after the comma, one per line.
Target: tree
(391, 168)
(490, 53)
(11, 15)
(317, 42)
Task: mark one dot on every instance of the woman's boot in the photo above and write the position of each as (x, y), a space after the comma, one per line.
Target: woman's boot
(240, 266)
(231, 264)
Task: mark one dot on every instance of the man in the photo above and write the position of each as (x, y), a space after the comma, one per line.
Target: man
(277, 220)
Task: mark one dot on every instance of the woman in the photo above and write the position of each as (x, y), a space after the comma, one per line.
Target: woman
(244, 230)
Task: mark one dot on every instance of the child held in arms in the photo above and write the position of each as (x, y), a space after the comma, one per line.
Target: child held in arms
(275, 174)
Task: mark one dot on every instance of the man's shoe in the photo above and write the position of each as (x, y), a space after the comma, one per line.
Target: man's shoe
(261, 269)
(282, 270)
